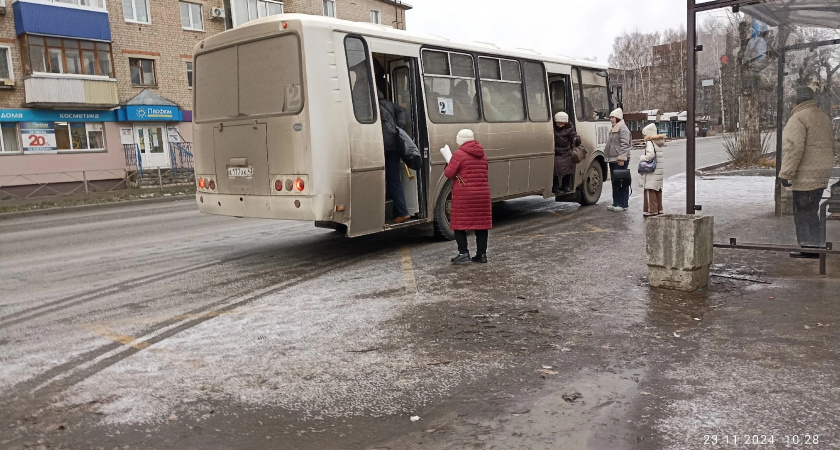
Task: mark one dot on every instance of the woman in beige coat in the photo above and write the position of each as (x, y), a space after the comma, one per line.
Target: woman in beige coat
(652, 182)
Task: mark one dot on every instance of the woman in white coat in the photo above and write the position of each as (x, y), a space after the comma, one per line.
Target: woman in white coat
(652, 182)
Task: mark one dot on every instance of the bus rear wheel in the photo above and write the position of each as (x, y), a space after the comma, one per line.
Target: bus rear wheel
(592, 185)
(443, 212)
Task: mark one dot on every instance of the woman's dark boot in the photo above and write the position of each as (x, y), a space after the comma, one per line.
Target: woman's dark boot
(480, 259)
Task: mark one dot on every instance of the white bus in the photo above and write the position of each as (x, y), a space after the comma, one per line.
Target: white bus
(286, 121)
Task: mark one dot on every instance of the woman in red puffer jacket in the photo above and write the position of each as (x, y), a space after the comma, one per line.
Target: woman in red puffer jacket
(471, 206)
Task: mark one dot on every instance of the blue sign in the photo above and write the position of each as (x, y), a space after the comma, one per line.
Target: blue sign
(44, 115)
(133, 113)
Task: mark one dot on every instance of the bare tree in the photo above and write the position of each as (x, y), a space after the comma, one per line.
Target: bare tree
(632, 57)
(712, 36)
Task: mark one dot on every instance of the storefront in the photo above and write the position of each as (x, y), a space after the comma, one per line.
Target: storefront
(57, 147)
(31, 131)
(152, 124)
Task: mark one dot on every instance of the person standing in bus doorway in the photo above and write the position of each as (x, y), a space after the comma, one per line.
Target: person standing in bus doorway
(564, 137)
(617, 152)
(652, 182)
(471, 205)
(807, 158)
(392, 116)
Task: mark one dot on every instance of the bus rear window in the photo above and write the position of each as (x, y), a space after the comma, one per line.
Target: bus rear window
(255, 78)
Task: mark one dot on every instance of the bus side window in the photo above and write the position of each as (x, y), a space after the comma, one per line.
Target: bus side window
(501, 89)
(358, 64)
(558, 96)
(449, 84)
(535, 87)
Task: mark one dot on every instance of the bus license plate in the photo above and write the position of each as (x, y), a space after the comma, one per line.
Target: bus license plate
(240, 171)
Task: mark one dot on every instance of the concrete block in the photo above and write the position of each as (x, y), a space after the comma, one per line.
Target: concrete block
(785, 202)
(680, 251)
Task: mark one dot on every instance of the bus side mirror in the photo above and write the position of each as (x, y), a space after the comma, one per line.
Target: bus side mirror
(617, 92)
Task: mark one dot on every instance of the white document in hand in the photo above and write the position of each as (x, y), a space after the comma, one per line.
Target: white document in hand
(447, 154)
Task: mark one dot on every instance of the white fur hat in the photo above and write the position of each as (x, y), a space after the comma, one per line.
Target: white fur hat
(561, 117)
(464, 135)
(617, 113)
(650, 130)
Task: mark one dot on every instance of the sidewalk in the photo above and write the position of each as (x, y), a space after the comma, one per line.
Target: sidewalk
(84, 202)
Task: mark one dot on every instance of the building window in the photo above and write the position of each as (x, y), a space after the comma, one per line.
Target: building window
(90, 3)
(248, 10)
(9, 142)
(142, 71)
(190, 75)
(68, 56)
(6, 72)
(191, 17)
(375, 16)
(329, 8)
(449, 80)
(79, 136)
(136, 11)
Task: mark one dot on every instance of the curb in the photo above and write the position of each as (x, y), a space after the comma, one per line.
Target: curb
(95, 206)
(701, 172)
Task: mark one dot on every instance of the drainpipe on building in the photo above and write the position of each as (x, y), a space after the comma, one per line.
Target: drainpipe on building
(228, 14)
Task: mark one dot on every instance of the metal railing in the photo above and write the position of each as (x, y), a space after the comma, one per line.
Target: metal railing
(180, 160)
(51, 183)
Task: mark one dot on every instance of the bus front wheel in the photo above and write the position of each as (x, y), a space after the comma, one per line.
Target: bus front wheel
(592, 185)
(443, 212)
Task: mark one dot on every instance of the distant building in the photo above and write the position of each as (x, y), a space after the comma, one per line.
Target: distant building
(92, 88)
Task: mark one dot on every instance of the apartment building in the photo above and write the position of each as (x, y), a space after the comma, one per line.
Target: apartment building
(90, 89)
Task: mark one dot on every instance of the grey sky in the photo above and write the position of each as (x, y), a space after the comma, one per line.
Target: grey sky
(579, 28)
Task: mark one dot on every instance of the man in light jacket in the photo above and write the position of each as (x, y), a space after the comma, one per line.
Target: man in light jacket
(617, 152)
(807, 158)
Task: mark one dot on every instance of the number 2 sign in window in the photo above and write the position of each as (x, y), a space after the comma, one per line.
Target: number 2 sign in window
(38, 136)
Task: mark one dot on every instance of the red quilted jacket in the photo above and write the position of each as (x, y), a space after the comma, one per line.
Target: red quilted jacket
(471, 206)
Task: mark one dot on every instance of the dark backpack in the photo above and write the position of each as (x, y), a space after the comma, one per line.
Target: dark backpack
(390, 134)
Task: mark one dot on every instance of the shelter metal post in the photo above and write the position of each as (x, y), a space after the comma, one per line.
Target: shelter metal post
(780, 105)
(690, 153)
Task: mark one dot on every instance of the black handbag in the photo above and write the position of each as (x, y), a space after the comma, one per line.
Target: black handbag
(621, 177)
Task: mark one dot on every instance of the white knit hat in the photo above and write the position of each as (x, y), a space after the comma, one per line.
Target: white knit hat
(617, 113)
(464, 135)
(650, 130)
(561, 117)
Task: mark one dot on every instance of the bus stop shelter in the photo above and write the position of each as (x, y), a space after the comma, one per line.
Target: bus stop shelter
(783, 23)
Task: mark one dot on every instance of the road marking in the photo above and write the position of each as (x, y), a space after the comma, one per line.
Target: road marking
(114, 336)
(408, 271)
(592, 229)
(155, 319)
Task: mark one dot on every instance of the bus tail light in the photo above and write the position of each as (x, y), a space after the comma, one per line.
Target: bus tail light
(285, 25)
(299, 184)
(212, 185)
(289, 185)
(278, 185)
(201, 183)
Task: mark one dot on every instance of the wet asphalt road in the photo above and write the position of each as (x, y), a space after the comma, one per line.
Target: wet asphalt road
(158, 327)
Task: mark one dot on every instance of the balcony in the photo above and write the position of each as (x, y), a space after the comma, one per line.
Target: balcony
(77, 91)
(61, 19)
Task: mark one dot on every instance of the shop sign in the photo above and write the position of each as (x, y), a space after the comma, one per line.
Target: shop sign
(37, 115)
(38, 136)
(150, 114)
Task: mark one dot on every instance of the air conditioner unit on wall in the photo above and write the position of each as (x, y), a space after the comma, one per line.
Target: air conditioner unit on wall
(217, 13)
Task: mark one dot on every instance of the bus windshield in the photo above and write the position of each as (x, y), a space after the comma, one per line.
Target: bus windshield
(595, 104)
(268, 80)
